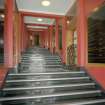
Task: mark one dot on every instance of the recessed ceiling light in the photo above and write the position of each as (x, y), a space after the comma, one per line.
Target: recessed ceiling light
(68, 21)
(45, 3)
(96, 9)
(2, 15)
(39, 19)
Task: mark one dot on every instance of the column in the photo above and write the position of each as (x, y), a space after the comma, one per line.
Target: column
(16, 39)
(46, 39)
(64, 33)
(8, 34)
(48, 33)
(56, 36)
(51, 38)
(22, 34)
(42, 39)
(82, 33)
(25, 37)
(43, 34)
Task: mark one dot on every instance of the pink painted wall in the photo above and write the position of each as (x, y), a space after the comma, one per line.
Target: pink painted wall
(98, 73)
(3, 73)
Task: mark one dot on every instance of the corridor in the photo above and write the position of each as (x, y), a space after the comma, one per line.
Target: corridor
(52, 52)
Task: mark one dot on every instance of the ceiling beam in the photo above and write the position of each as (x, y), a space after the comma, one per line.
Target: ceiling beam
(44, 15)
(36, 28)
(31, 30)
(34, 24)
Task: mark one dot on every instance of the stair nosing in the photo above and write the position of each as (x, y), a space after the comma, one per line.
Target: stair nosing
(53, 86)
(84, 102)
(51, 73)
(50, 95)
(48, 79)
(89, 102)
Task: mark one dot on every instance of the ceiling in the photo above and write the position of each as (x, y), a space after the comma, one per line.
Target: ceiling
(29, 19)
(73, 10)
(59, 7)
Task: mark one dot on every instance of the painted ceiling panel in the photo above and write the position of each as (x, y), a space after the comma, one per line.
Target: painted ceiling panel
(59, 7)
(29, 19)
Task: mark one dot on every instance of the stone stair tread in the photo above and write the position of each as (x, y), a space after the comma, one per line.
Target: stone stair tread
(47, 73)
(51, 86)
(49, 79)
(83, 102)
(49, 95)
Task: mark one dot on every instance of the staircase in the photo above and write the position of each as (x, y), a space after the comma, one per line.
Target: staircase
(42, 80)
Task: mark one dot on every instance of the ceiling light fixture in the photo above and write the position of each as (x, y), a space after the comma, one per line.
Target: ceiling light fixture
(39, 19)
(96, 9)
(68, 21)
(2, 15)
(45, 3)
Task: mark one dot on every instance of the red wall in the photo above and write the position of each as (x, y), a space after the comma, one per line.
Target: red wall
(3, 73)
(97, 73)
